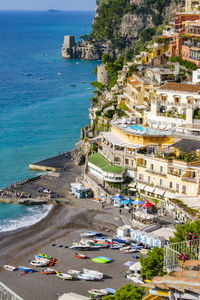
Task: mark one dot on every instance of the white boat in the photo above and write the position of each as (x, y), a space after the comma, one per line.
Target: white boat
(98, 293)
(43, 259)
(90, 233)
(125, 248)
(135, 278)
(73, 272)
(85, 277)
(130, 251)
(97, 275)
(80, 247)
(9, 268)
(38, 263)
(64, 276)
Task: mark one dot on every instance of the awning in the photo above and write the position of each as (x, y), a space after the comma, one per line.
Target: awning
(168, 195)
(159, 192)
(133, 189)
(149, 189)
(140, 186)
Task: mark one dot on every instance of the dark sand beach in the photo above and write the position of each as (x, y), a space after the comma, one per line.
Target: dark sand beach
(62, 226)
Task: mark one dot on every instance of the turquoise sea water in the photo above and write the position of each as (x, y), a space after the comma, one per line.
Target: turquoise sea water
(41, 114)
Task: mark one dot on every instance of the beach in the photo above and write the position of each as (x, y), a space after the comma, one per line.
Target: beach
(62, 226)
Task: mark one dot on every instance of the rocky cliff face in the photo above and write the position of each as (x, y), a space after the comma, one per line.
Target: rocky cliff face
(127, 28)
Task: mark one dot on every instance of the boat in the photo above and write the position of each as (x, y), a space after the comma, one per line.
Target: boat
(83, 81)
(134, 278)
(135, 256)
(25, 269)
(40, 258)
(85, 277)
(79, 255)
(101, 260)
(105, 257)
(129, 251)
(110, 291)
(125, 248)
(52, 262)
(41, 78)
(90, 233)
(73, 272)
(97, 275)
(89, 88)
(59, 73)
(48, 271)
(72, 85)
(64, 276)
(9, 268)
(38, 263)
(80, 247)
(44, 255)
(98, 293)
(116, 246)
(121, 241)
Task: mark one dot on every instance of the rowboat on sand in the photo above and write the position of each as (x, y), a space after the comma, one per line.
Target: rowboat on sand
(9, 268)
(79, 255)
(64, 276)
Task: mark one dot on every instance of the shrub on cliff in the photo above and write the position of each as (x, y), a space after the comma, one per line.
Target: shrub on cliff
(128, 292)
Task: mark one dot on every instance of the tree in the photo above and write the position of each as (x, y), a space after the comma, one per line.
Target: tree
(106, 58)
(152, 265)
(127, 292)
(147, 34)
(182, 230)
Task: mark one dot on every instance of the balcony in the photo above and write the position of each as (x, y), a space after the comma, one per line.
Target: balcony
(141, 165)
(189, 179)
(156, 172)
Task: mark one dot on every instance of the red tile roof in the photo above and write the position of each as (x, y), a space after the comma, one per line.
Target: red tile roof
(181, 87)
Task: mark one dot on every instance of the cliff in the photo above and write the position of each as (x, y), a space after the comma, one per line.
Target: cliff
(118, 24)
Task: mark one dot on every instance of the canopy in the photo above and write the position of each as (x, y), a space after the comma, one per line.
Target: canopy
(135, 267)
(125, 202)
(129, 263)
(117, 197)
(129, 199)
(135, 202)
(146, 204)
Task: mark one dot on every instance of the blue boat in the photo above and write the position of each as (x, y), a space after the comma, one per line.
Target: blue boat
(135, 256)
(115, 247)
(25, 269)
(120, 241)
(110, 291)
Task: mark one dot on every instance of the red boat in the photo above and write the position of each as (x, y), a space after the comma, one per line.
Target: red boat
(79, 255)
(52, 262)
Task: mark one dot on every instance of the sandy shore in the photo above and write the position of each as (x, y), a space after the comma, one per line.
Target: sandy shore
(63, 226)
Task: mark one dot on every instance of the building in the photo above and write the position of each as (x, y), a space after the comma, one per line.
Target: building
(196, 76)
(192, 6)
(174, 105)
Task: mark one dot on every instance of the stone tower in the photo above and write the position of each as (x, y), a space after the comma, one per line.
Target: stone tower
(69, 43)
(102, 74)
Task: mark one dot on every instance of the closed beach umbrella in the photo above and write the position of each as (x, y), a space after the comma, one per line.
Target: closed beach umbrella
(146, 204)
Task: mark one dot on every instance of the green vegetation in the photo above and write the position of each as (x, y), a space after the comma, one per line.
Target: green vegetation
(109, 114)
(110, 13)
(196, 114)
(103, 164)
(147, 34)
(152, 265)
(182, 230)
(98, 85)
(187, 64)
(127, 292)
(113, 68)
(181, 204)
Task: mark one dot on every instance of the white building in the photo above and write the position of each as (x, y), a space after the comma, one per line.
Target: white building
(196, 76)
(174, 105)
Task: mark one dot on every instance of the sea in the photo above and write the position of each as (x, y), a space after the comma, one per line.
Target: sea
(43, 99)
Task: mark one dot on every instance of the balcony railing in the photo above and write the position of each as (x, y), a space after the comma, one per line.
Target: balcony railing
(171, 252)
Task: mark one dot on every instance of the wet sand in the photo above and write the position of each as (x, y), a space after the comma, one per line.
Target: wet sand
(62, 226)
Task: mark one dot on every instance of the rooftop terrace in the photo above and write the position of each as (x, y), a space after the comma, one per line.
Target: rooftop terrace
(103, 164)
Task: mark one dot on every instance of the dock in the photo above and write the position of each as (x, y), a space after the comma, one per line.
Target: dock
(54, 163)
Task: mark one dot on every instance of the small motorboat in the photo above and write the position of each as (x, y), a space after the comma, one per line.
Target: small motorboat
(44, 255)
(102, 260)
(9, 268)
(121, 241)
(116, 246)
(83, 81)
(72, 85)
(97, 275)
(80, 247)
(59, 73)
(52, 262)
(48, 271)
(129, 251)
(73, 272)
(25, 269)
(125, 248)
(135, 256)
(79, 255)
(98, 293)
(89, 88)
(85, 277)
(64, 276)
(38, 263)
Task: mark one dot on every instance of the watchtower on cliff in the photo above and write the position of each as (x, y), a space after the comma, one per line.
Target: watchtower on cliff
(102, 74)
(69, 41)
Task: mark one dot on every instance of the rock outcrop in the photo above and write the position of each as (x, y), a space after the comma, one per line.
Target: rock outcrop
(128, 30)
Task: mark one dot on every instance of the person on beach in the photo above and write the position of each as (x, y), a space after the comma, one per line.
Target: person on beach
(120, 211)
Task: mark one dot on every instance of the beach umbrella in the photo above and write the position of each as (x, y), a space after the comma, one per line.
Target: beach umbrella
(135, 202)
(146, 204)
(117, 197)
(124, 202)
(135, 267)
(129, 263)
(129, 199)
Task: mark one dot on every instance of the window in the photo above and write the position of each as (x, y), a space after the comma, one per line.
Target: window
(193, 174)
(179, 172)
(198, 77)
(151, 166)
(161, 182)
(127, 161)
(183, 189)
(149, 179)
(177, 188)
(141, 177)
(176, 99)
(161, 169)
(170, 184)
